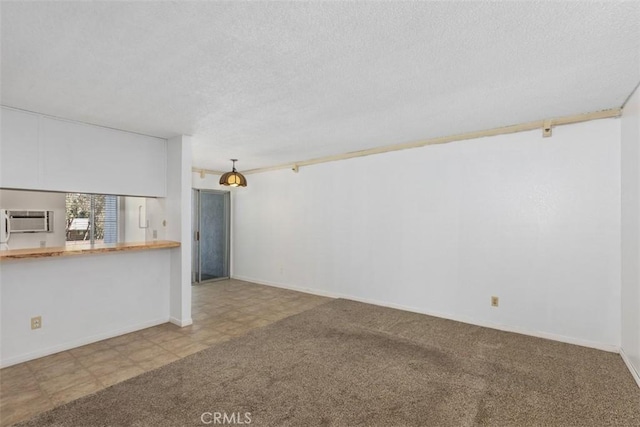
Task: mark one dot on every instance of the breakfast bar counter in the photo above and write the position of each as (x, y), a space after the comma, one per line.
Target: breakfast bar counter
(85, 248)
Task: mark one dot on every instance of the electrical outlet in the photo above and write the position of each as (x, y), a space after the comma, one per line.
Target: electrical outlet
(36, 322)
(495, 301)
(155, 234)
(43, 243)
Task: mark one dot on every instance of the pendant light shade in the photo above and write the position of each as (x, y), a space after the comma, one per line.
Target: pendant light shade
(233, 178)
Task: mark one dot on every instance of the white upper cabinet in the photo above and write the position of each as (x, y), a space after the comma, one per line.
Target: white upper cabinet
(75, 157)
(91, 159)
(19, 152)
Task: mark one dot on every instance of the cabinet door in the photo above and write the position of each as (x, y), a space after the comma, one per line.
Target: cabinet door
(19, 153)
(92, 159)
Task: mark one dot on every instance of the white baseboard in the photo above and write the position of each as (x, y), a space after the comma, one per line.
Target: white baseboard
(293, 288)
(180, 322)
(79, 343)
(463, 319)
(634, 373)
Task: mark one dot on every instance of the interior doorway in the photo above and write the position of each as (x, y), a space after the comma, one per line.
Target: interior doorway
(211, 225)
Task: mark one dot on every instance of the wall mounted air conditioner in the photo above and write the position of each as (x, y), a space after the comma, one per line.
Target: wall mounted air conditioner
(28, 221)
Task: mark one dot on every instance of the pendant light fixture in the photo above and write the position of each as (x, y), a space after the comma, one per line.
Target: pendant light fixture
(233, 178)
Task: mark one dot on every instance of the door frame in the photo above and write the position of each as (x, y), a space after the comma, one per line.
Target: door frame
(196, 226)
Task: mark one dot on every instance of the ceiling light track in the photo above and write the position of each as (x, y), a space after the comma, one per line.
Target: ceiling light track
(546, 126)
(204, 172)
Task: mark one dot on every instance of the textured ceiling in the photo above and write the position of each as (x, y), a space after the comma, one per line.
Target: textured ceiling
(271, 83)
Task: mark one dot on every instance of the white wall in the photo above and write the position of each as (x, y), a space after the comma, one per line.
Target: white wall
(131, 219)
(81, 299)
(631, 234)
(152, 211)
(156, 215)
(20, 200)
(208, 182)
(441, 229)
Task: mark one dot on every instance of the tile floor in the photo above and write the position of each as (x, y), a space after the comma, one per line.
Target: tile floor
(220, 311)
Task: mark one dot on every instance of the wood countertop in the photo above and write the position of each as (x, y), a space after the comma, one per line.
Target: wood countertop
(85, 248)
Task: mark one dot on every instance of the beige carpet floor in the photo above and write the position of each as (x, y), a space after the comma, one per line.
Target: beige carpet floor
(345, 363)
